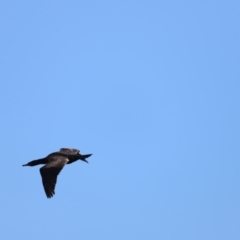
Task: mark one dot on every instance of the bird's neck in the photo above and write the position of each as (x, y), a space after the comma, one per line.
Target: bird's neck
(37, 161)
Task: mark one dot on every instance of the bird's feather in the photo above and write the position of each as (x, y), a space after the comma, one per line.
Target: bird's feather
(70, 151)
(50, 171)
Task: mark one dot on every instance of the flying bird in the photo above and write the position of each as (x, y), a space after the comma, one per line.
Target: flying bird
(54, 163)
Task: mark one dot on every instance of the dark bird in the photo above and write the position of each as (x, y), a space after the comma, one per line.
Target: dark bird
(54, 163)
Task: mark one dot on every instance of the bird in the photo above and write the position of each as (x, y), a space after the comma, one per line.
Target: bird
(54, 163)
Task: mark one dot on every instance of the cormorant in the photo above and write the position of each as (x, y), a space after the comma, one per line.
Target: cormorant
(54, 163)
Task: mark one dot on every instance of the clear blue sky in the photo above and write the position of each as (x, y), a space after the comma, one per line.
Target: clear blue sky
(151, 88)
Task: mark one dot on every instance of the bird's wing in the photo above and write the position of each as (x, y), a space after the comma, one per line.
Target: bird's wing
(50, 171)
(70, 151)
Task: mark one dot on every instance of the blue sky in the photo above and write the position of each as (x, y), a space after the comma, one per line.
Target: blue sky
(151, 88)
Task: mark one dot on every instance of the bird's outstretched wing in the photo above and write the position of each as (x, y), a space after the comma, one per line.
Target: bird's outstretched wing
(50, 171)
(70, 151)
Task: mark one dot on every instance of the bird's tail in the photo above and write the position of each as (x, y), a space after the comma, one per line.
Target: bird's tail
(83, 157)
(86, 155)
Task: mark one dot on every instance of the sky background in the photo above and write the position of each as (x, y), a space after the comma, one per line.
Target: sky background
(151, 89)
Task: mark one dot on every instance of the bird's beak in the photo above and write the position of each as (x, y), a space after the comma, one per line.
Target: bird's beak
(84, 160)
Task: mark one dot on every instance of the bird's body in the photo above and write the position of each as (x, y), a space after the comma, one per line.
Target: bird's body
(54, 163)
